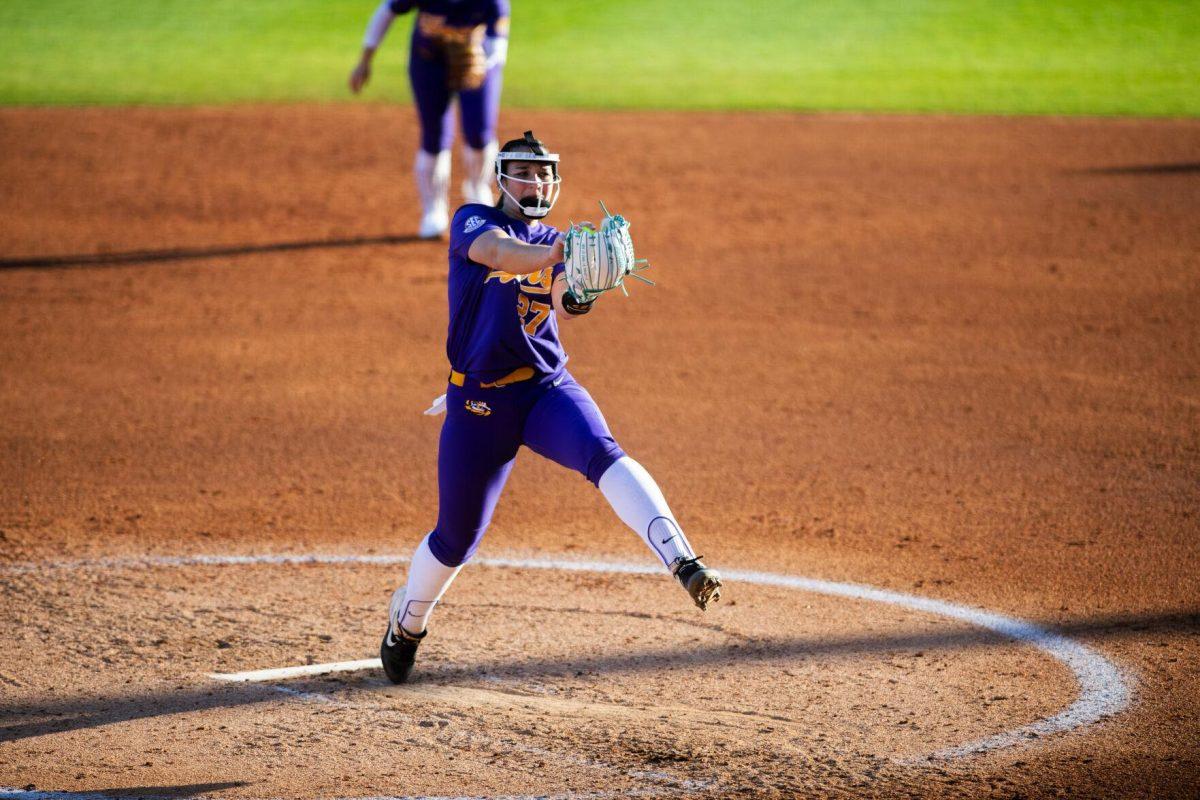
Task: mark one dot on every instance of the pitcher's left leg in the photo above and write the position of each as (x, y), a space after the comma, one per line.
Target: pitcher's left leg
(640, 504)
(567, 427)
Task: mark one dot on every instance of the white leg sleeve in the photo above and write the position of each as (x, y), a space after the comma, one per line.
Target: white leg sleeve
(480, 169)
(433, 183)
(433, 178)
(428, 580)
(636, 498)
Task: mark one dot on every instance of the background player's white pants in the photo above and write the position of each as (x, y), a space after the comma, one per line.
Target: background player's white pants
(640, 504)
(428, 580)
(479, 174)
(432, 173)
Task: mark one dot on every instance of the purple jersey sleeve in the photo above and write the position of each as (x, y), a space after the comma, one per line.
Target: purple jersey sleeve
(467, 226)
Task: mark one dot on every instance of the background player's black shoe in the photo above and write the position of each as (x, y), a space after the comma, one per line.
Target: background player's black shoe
(399, 652)
(702, 583)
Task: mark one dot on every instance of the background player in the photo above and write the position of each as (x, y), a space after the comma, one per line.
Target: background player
(458, 47)
(509, 387)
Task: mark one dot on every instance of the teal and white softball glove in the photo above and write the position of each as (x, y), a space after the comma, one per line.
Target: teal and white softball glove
(598, 259)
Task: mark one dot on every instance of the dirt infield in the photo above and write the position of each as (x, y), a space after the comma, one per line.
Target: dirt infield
(951, 358)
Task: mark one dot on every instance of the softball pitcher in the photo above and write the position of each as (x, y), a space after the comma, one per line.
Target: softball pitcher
(458, 47)
(509, 287)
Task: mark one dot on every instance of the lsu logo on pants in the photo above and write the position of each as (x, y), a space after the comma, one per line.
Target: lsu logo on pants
(478, 408)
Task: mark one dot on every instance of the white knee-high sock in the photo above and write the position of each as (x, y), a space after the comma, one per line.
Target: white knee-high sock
(639, 503)
(433, 180)
(480, 173)
(428, 580)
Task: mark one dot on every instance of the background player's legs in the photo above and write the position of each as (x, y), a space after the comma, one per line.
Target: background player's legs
(479, 170)
(567, 427)
(432, 165)
(479, 110)
(432, 173)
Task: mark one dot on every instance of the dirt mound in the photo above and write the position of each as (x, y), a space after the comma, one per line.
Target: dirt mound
(951, 357)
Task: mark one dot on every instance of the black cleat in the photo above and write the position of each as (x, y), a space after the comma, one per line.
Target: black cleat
(399, 648)
(702, 583)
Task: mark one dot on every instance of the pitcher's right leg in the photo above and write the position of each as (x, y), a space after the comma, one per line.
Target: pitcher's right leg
(475, 457)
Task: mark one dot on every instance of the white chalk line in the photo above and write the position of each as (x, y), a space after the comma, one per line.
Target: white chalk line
(1103, 690)
(283, 673)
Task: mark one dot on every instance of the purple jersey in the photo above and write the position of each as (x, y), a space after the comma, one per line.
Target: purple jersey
(441, 19)
(500, 322)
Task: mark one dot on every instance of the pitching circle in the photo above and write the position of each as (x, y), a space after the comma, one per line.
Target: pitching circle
(1103, 690)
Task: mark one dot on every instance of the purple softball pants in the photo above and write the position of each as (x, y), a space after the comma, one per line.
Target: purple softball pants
(552, 415)
(479, 108)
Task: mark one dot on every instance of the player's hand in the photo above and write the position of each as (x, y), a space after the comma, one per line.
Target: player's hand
(555, 255)
(360, 76)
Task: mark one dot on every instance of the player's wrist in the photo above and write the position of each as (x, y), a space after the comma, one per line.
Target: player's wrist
(575, 307)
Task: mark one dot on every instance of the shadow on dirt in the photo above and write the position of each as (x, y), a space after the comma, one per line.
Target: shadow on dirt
(78, 713)
(189, 253)
(782, 650)
(180, 791)
(81, 713)
(133, 792)
(1143, 169)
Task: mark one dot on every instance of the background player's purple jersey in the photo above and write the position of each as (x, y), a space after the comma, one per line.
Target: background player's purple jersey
(498, 321)
(455, 17)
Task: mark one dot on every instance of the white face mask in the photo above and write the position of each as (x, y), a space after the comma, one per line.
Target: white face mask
(540, 204)
(547, 188)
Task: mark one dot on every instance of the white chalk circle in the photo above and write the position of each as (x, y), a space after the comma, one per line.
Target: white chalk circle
(1103, 690)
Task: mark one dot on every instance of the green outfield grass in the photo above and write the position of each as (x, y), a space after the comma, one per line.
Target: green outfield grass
(1139, 57)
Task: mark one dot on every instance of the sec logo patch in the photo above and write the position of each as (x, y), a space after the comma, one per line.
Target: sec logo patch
(472, 223)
